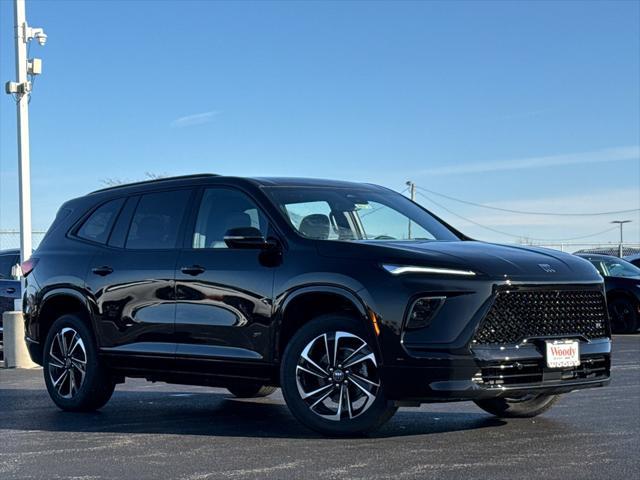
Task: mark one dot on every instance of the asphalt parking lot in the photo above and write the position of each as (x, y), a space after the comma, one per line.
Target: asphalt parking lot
(152, 431)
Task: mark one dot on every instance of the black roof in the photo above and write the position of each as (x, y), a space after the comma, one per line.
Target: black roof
(259, 181)
(156, 180)
(306, 182)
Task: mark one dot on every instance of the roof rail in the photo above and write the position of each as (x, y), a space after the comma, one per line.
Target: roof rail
(155, 180)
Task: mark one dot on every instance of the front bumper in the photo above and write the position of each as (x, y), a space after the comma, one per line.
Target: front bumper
(495, 371)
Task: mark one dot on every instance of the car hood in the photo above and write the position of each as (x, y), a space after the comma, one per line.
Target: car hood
(494, 260)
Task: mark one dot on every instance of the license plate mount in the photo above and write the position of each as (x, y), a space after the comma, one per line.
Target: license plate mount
(562, 353)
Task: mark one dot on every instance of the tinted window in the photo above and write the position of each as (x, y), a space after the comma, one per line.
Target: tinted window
(121, 227)
(97, 227)
(157, 219)
(220, 210)
(303, 214)
(6, 262)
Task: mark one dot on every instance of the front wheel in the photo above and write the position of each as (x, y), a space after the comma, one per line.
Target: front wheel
(74, 375)
(330, 376)
(522, 407)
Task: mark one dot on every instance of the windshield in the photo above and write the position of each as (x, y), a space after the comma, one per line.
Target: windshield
(330, 213)
(615, 267)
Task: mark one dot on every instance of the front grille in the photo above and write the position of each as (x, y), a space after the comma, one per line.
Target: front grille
(509, 373)
(518, 315)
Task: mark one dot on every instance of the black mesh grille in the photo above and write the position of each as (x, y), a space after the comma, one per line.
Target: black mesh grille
(516, 315)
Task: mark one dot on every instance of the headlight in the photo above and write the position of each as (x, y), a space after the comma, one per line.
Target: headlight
(400, 269)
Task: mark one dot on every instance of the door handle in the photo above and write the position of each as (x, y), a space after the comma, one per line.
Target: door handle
(10, 290)
(193, 270)
(103, 271)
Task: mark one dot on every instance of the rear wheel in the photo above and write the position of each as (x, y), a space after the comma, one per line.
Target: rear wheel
(75, 376)
(251, 390)
(624, 316)
(331, 379)
(522, 407)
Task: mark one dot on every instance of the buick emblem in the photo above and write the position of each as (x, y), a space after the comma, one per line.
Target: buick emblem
(547, 268)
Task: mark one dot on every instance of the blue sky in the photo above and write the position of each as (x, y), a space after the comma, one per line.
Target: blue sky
(529, 106)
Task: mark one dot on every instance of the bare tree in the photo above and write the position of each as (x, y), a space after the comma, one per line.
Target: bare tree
(115, 181)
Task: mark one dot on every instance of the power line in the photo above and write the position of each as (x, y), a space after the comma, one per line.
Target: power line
(495, 230)
(555, 214)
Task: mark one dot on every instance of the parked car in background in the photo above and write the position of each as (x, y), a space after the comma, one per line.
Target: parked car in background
(635, 259)
(9, 288)
(622, 283)
(350, 297)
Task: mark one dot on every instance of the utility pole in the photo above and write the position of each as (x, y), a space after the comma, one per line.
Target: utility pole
(412, 195)
(21, 88)
(621, 223)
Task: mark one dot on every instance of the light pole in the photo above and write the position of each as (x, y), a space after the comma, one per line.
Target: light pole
(412, 195)
(621, 223)
(21, 88)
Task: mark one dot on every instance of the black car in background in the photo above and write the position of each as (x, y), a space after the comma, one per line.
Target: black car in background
(9, 288)
(622, 283)
(350, 297)
(635, 259)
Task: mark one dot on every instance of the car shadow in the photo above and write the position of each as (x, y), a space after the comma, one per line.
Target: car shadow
(211, 414)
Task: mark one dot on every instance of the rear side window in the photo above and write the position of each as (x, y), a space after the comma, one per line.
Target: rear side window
(6, 262)
(97, 227)
(156, 221)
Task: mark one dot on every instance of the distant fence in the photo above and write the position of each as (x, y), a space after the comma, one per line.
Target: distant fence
(11, 238)
(602, 248)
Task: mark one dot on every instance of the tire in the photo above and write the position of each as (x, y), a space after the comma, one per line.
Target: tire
(335, 404)
(62, 373)
(251, 390)
(624, 316)
(526, 407)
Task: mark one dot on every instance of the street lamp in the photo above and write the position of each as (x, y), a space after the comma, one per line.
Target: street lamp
(21, 88)
(621, 223)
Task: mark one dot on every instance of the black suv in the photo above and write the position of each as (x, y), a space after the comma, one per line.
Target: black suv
(350, 297)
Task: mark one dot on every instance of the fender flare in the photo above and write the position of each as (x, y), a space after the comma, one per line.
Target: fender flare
(67, 292)
(281, 304)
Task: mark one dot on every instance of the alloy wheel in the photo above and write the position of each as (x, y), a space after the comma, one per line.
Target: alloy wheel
(337, 376)
(67, 365)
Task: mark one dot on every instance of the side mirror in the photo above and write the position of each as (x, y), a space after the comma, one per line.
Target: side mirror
(248, 238)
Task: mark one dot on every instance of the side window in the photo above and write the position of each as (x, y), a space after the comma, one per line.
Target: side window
(6, 262)
(312, 219)
(97, 227)
(121, 226)
(156, 221)
(220, 210)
